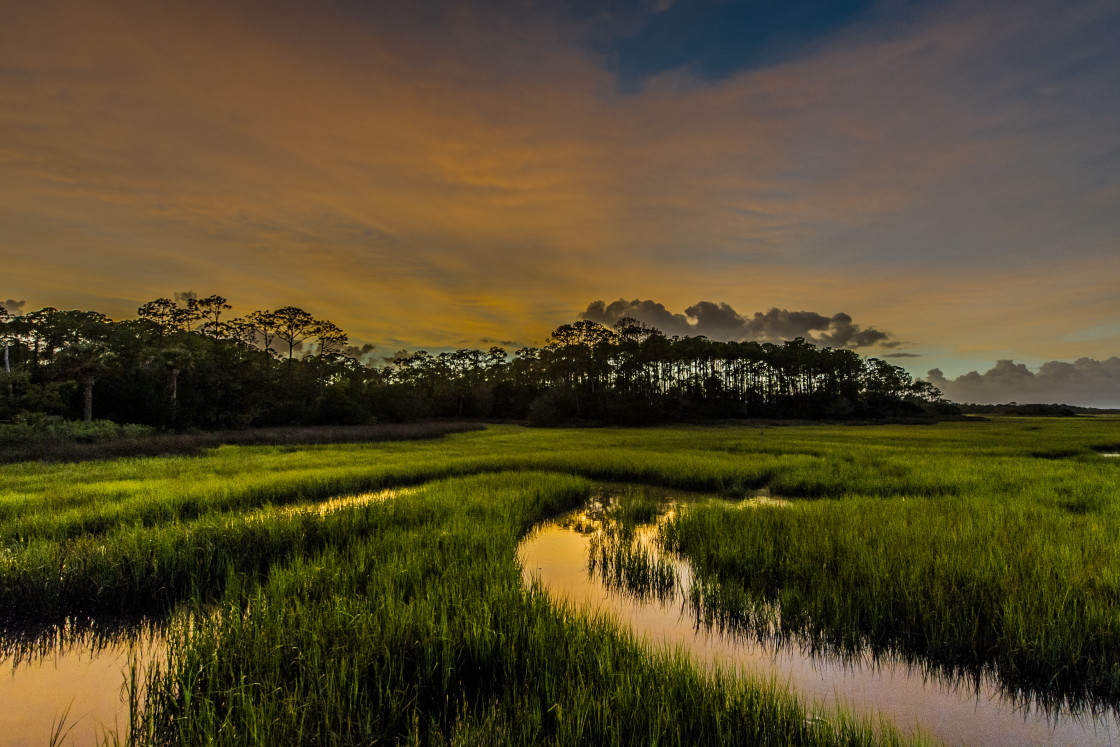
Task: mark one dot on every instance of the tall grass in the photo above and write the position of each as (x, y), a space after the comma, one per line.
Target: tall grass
(65, 441)
(974, 546)
(1010, 571)
(423, 633)
(622, 549)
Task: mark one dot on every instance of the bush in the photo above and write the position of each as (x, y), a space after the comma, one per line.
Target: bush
(554, 407)
(37, 428)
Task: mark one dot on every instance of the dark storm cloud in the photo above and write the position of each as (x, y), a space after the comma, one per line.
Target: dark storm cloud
(719, 321)
(1086, 382)
(363, 353)
(837, 331)
(650, 312)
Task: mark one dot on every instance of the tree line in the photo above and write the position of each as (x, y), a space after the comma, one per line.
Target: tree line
(186, 364)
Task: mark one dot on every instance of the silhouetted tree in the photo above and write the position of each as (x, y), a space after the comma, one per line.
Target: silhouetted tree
(162, 313)
(182, 364)
(292, 325)
(209, 311)
(84, 361)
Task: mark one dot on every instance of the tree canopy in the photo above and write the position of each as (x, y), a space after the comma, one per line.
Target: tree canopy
(180, 364)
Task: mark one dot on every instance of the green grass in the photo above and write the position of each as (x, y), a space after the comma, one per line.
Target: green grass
(968, 545)
(1009, 568)
(57, 440)
(422, 632)
(621, 551)
(632, 505)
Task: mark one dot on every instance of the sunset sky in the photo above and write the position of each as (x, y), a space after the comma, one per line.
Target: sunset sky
(937, 182)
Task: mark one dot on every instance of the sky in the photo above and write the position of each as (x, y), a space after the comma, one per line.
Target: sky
(932, 182)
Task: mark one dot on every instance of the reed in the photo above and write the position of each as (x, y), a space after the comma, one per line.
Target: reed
(1008, 571)
(423, 633)
(971, 546)
(78, 442)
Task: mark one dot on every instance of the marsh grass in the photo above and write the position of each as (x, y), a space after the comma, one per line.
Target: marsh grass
(1009, 572)
(628, 563)
(406, 620)
(59, 729)
(75, 443)
(425, 634)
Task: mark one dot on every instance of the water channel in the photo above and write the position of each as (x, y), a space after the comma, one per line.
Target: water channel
(915, 701)
(78, 677)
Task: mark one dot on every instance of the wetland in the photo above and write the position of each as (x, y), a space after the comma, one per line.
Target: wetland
(593, 559)
(893, 585)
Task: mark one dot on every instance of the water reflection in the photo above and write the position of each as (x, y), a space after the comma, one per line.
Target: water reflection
(87, 672)
(83, 673)
(591, 560)
(321, 509)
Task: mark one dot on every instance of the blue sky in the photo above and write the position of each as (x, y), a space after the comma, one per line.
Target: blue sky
(716, 38)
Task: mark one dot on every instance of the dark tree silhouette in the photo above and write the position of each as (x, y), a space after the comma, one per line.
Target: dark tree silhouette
(292, 325)
(180, 364)
(162, 313)
(209, 312)
(84, 361)
(7, 333)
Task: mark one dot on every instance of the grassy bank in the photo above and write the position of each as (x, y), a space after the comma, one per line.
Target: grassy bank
(1006, 566)
(55, 440)
(421, 631)
(967, 544)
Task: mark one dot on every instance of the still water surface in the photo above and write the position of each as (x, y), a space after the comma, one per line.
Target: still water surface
(85, 676)
(81, 676)
(81, 679)
(914, 701)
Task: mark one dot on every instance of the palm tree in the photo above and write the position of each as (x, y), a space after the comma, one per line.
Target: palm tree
(174, 361)
(7, 332)
(84, 361)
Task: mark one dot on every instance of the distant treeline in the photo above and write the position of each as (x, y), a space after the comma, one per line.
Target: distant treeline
(181, 364)
(1037, 410)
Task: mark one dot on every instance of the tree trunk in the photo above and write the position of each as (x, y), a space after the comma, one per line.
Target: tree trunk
(87, 391)
(8, 370)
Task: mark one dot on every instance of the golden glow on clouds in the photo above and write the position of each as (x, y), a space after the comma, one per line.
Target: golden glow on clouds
(463, 183)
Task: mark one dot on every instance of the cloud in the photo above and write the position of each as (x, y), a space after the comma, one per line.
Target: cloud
(1085, 382)
(719, 321)
(378, 166)
(650, 312)
(364, 353)
(13, 306)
